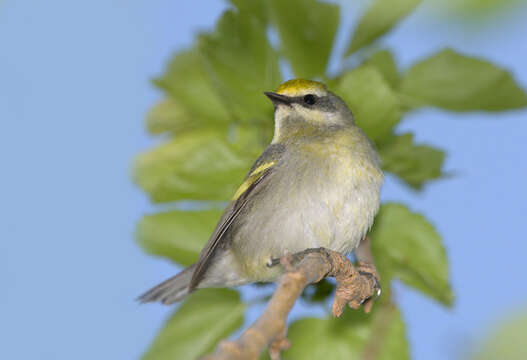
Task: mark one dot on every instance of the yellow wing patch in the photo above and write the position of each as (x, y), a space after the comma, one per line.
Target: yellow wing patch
(252, 177)
(297, 87)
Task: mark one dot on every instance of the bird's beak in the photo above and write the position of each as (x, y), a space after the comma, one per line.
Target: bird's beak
(278, 99)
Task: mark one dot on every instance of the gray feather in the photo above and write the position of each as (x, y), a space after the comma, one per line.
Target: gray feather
(171, 290)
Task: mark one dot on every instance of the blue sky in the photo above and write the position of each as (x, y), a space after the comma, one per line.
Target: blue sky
(74, 88)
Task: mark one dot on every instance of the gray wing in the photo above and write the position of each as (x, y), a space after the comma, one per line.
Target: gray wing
(217, 240)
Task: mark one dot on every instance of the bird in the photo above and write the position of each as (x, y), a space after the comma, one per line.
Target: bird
(316, 185)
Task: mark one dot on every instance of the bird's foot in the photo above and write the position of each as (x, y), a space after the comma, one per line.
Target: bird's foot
(356, 286)
(272, 262)
(294, 258)
(369, 271)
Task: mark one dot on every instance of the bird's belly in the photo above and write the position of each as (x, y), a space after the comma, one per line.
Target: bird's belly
(330, 205)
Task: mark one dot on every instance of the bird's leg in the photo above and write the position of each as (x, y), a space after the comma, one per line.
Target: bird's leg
(366, 267)
(365, 262)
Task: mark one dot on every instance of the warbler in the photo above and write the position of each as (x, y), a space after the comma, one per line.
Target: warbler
(316, 185)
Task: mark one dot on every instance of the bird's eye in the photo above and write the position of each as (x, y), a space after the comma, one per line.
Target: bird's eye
(310, 99)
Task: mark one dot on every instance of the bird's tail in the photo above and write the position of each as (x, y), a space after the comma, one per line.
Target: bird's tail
(171, 290)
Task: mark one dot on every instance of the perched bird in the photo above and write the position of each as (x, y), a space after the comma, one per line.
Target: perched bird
(316, 185)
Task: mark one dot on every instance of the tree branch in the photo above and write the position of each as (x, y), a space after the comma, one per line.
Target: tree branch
(301, 269)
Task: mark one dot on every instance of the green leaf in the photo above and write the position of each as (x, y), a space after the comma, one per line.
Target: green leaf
(374, 105)
(197, 165)
(384, 62)
(252, 8)
(177, 235)
(456, 82)
(406, 246)
(170, 116)
(475, 10)
(379, 335)
(380, 17)
(414, 164)
(188, 83)
(307, 29)
(242, 65)
(204, 319)
(507, 340)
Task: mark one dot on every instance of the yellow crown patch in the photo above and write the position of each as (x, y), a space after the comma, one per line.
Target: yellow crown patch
(300, 86)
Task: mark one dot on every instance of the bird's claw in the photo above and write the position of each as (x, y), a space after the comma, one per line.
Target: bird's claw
(272, 262)
(368, 271)
(376, 283)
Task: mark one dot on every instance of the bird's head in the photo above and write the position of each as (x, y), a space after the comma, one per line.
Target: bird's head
(305, 104)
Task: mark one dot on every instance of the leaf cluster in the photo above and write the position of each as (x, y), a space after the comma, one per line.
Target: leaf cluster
(216, 122)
